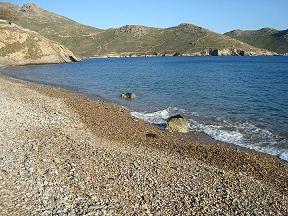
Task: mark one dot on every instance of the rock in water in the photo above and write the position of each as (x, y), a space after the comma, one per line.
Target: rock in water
(177, 123)
(128, 95)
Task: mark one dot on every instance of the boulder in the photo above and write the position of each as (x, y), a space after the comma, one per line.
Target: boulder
(241, 52)
(213, 52)
(128, 96)
(177, 54)
(177, 123)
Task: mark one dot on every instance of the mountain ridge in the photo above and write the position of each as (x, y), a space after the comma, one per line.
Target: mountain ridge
(185, 39)
(265, 38)
(130, 40)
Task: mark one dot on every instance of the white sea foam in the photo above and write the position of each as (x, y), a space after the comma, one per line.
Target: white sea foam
(158, 117)
(216, 132)
(242, 134)
(266, 142)
(283, 155)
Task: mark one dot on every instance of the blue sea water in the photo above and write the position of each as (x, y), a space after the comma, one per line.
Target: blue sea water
(240, 100)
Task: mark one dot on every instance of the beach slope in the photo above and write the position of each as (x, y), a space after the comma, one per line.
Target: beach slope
(66, 154)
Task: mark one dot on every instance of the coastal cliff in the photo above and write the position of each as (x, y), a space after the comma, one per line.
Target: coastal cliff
(19, 46)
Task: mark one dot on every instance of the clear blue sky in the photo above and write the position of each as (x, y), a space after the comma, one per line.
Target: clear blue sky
(217, 15)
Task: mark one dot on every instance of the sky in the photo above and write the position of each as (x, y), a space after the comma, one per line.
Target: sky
(217, 15)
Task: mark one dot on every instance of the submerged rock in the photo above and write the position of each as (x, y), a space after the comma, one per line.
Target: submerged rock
(177, 123)
(128, 96)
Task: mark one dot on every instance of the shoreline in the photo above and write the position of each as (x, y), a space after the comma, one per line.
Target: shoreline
(198, 136)
(171, 55)
(96, 98)
(192, 136)
(113, 124)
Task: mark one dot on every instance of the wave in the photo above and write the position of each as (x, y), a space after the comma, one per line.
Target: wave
(158, 117)
(236, 132)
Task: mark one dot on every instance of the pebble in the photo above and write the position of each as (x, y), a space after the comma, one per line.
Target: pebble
(71, 171)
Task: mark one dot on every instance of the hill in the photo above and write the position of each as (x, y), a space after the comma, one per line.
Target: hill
(75, 36)
(19, 46)
(184, 39)
(265, 38)
(130, 40)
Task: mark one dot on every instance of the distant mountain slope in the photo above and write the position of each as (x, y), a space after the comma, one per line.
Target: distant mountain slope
(182, 39)
(131, 39)
(75, 36)
(20, 46)
(266, 38)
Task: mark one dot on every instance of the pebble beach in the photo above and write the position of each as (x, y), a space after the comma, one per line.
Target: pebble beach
(64, 153)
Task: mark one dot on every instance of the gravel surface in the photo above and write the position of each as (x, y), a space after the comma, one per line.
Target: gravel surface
(63, 154)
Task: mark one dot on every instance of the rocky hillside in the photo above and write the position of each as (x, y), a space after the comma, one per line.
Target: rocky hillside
(19, 46)
(266, 38)
(130, 40)
(184, 39)
(71, 34)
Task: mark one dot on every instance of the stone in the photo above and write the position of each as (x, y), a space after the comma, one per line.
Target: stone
(177, 54)
(214, 52)
(177, 123)
(151, 135)
(96, 206)
(128, 96)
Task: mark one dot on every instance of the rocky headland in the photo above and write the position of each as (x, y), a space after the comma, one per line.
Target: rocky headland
(19, 46)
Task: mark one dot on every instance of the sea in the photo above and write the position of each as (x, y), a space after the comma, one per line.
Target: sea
(239, 100)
